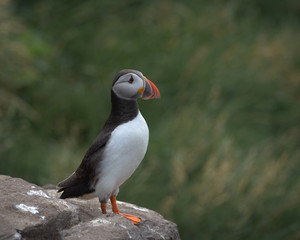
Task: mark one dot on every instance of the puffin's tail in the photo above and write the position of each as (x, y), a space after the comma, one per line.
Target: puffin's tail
(74, 186)
(76, 190)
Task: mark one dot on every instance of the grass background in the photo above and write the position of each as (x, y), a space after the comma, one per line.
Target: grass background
(224, 155)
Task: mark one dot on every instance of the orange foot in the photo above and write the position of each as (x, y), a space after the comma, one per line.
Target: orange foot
(134, 219)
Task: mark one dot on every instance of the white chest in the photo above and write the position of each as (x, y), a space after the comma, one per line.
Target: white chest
(123, 153)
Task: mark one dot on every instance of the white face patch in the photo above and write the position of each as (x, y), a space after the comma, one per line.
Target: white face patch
(128, 85)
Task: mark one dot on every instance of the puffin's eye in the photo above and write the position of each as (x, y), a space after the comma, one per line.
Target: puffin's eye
(130, 80)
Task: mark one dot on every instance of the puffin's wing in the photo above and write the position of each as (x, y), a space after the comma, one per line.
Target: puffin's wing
(79, 183)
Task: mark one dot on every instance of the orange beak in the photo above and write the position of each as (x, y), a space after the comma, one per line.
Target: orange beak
(150, 91)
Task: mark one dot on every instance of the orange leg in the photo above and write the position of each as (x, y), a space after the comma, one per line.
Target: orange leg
(103, 208)
(136, 220)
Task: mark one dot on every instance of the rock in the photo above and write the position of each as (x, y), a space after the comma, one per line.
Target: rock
(28, 211)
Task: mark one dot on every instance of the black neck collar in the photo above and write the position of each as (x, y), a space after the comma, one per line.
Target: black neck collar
(122, 110)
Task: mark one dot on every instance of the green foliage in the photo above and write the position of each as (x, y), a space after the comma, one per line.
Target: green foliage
(224, 151)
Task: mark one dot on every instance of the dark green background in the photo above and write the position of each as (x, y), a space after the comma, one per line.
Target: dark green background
(224, 155)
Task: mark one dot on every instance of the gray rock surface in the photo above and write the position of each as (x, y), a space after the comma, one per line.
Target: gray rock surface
(28, 211)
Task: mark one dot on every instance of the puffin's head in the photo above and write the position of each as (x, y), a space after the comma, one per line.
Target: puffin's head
(131, 84)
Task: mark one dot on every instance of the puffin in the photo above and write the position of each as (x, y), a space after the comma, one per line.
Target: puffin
(118, 149)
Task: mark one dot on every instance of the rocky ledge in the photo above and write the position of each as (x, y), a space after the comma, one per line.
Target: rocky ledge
(28, 211)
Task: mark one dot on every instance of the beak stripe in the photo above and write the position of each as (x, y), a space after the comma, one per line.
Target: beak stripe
(150, 90)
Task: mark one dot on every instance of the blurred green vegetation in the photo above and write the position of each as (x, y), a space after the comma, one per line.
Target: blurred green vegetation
(224, 155)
